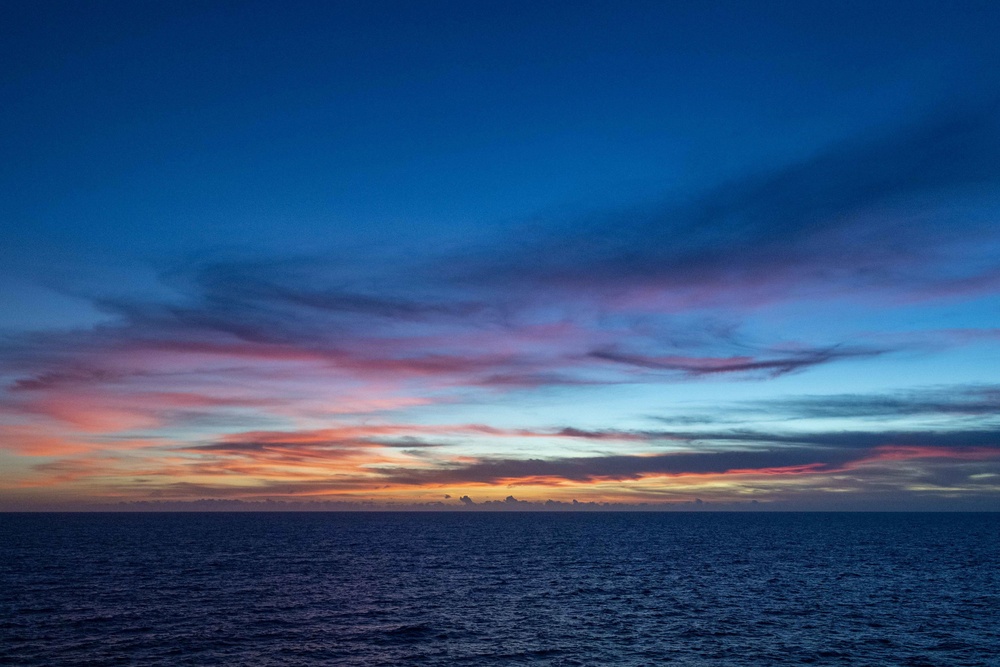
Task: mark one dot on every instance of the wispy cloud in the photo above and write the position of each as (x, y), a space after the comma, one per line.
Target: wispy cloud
(619, 300)
(956, 401)
(772, 365)
(874, 213)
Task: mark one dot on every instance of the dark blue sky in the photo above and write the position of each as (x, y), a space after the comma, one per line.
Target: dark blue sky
(521, 215)
(143, 128)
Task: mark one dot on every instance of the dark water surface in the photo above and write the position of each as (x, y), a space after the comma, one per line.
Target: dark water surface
(477, 589)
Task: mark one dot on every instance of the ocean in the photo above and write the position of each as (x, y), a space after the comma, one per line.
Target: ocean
(477, 588)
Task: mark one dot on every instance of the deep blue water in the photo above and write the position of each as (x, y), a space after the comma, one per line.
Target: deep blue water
(479, 589)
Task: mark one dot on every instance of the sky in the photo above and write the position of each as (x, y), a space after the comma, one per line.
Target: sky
(729, 255)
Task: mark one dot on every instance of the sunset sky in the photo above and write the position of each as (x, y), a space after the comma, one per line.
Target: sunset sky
(686, 254)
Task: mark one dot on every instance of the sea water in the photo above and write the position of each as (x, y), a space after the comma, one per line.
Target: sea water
(499, 588)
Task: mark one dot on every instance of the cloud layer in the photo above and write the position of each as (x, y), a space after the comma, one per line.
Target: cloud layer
(278, 377)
